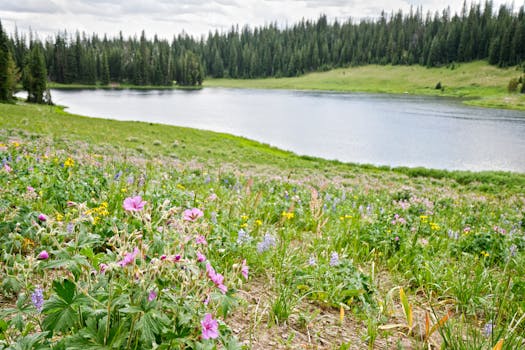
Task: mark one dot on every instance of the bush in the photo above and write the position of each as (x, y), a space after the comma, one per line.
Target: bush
(438, 86)
(513, 85)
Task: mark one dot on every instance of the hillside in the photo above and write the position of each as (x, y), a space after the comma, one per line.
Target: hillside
(284, 251)
(478, 83)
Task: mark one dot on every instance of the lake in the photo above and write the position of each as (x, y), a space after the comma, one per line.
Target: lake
(381, 129)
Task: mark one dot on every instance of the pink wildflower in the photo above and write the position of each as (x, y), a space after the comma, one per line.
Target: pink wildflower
(210, 327)
(30, 189)
(133, 203)
(244, 269)
(129, 258)
(7, 168)
(44, 255)
(42, 217)
(102, 268)
(152, 296)
(163, 257)
(192, 214)
(201, 240)
(216, 278)
(201, 257)
(176, 258)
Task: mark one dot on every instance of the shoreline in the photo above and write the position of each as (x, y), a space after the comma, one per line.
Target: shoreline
(475, 83)
(187, 143)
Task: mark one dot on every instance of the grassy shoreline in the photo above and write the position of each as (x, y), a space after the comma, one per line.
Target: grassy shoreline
(186, 144)
(476, 83)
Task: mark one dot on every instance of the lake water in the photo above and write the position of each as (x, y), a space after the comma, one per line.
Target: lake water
(361, 128)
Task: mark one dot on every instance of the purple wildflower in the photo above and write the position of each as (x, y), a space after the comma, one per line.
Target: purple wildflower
(267, 243)
(334, 259)
(37, 298)
(488, 329)
(152, 296)
(312, 261)
(42, 217)
(243, 237)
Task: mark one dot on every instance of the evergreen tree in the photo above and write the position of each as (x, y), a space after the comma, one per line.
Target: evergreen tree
(35, 75)
(8, 73)
(104, 77)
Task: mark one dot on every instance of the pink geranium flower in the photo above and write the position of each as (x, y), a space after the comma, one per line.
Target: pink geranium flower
(133, 203)
(201, 240)
(210, 327)
(129, 258)
(201, 257)
(192, 214)
(216, 278)
(102, 268)
(43, 255)
(244, 269)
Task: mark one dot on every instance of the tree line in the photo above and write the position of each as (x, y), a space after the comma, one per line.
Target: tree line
(479, 31)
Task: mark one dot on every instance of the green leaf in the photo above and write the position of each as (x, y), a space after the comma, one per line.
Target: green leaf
(65, 291)
(62, 309)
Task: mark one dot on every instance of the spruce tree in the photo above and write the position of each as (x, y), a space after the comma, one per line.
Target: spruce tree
(35, 75)
(6, 62)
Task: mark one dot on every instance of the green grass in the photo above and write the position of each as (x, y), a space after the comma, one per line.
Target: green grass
(329, 245)
(478, 83)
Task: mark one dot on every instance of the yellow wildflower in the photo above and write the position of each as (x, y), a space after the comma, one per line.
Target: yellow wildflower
(181, 187)
(60, 217)
(69, 162)
(288, 215)
(258, 222)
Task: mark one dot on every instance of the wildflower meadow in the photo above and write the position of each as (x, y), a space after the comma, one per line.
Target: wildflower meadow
(100, 250)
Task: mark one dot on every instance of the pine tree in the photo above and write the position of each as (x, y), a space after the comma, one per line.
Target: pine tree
(35, 75)
(104, 78)
(6, 68)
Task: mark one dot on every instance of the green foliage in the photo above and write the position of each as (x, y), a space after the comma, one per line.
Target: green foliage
(513, 85)
(34, 76)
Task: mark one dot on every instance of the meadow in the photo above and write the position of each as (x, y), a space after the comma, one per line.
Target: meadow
(477, 83)
(129, 235)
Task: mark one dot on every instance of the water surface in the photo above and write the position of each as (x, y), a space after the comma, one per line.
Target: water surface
(361, 128)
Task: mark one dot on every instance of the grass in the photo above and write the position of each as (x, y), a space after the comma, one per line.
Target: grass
(478, 83)
(339, 255)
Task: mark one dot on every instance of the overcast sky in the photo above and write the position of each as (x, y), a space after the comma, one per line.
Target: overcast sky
(196, 17)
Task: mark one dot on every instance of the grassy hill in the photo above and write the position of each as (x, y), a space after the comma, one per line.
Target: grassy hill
(479, 83)
(281, 251)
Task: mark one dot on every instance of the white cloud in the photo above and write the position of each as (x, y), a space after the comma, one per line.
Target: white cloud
(196, 17)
